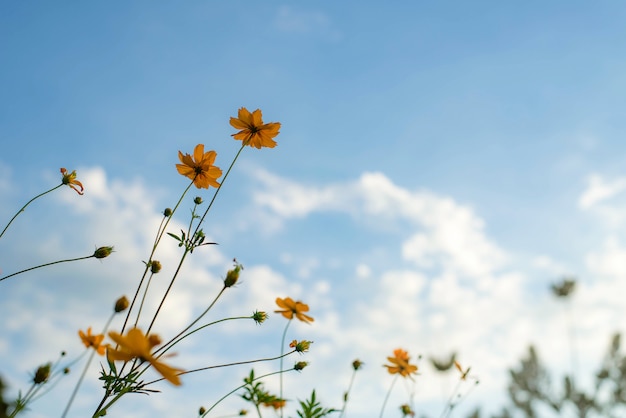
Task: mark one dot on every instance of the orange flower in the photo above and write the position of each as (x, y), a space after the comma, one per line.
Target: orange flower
(400, 364)
(93, 341)
(69, 179)
(253, 131)
(291, 308)
(137, 345)
(199, 167)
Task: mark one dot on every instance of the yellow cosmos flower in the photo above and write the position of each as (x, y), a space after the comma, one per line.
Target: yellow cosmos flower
(93, 341)
(69, 179)
(291, 308)
(199, 167)
(137, 345)
(400, 364)
(252, 130)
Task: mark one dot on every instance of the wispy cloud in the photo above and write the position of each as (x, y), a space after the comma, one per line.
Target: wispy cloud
(292, 20)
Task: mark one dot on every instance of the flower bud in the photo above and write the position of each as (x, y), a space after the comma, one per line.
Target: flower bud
(243, 412)
(103, 252)
(121, 304)
(233, 275)
(167, 212)
(300, 365)
(42, 374)
(357, 364)
(197, 200)
(202, 410)
(155, 266)
(259, 317)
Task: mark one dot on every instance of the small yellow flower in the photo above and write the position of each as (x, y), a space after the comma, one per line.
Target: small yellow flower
(400, 364)
(137, 345)
(69, 179)
(291, 308)
(93, 341)
(199, 167)
(253, 131)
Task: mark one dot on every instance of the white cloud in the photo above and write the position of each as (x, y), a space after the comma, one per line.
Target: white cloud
(291, 20)
(599, 190)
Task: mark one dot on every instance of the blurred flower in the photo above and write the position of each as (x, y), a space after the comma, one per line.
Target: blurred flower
(400, 364)
(253, 131)
(121, 304)
(69, 179)
(300, 365)
(137, 345)
(93, 341)
(443, 365)
(155, 266)
(200, 168)
(460, 369)
(42, 374)
(300, 346)
(291, 308)
(406, 410)
(357, 364)
(565, 288)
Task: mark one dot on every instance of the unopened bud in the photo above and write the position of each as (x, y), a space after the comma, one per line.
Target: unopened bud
(121, 304)
(167, 212)
(103, 252)
(42, 374)
(197, 200)
(357, 364)
(300, 365)
(201, 411)
(155, 266)
(259, 317)
(233, 275)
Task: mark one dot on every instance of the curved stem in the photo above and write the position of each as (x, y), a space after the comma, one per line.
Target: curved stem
(218, 190)
(24, 207)
(345, 398)
(84, 372)
(382, 410)
(171, 343)
(47, 264)
(237, 363)
(282, 347)
(239, 387)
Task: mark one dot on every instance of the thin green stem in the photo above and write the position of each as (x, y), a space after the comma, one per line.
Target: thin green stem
(24, 207)
(84, 372)
(47, 264)
(143, 298)
(237, 363)
(448, 407)
(346, 395)
(218, 190)
(180, 264)
(282, 348)
(157, 240)
(194, 322)
(382, 410)
(171, 343)
(240, 387)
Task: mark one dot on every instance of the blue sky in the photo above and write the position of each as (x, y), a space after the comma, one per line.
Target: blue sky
(438, 163)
